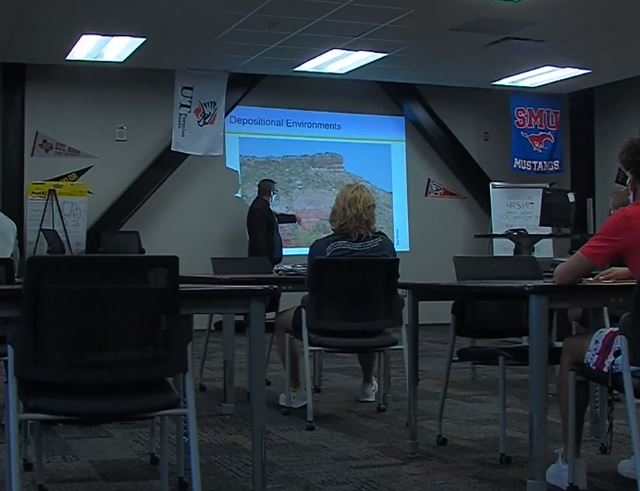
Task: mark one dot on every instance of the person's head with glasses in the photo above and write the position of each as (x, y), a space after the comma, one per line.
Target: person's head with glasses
(629, 159)
(267, 189)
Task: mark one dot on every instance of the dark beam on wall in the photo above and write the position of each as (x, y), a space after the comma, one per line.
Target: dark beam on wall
(582, 148)
(159, 170)
(452, 152)
(12, 125)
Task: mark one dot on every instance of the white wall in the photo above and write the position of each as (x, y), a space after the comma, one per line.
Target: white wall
(617, 115)
(195, 215)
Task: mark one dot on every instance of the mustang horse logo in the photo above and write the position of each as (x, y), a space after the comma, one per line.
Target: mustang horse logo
(539, 140)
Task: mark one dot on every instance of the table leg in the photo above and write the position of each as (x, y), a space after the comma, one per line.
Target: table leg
(538, 382)
(258, 392)
(228, 362)
(7, 434)
(13, 447)
(412, 349)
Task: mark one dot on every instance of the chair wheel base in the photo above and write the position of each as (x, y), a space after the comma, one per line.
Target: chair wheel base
(27, 466)
(183, 484)
(154, 459)
(202, 388)
(311, 426)
(42, 487)
(442, 441)
(382, 408)
(573, 487)
(505, 459)
(604, 449)
(316, 389)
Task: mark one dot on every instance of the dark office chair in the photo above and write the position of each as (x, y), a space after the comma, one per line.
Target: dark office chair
(351, 305)
(627, 383)
(55, 246)
(7, 277)
(481, 320)
(240, 266)
(100, 337)
(120, 242)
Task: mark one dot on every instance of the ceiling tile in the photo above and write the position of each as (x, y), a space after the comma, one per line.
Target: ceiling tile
(498, 27)
(296, 8)
(379, 45)
(394, 33)
(273, 23)
(253, 37)
(315, 41)
(268, 64)
(336, 28)
(293, 53)
(239, 49)
(374, 15)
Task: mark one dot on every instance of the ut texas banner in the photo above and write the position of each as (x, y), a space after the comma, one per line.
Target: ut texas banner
(198, 112)
(536, 138)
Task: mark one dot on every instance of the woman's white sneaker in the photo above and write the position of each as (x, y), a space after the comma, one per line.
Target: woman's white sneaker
(368, 391)
(627, 468)
(297, 399)
(558, 473)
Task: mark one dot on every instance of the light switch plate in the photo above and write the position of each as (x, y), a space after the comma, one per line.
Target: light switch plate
(121, 133)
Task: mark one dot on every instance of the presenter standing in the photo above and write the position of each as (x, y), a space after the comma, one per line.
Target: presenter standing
(262, 224)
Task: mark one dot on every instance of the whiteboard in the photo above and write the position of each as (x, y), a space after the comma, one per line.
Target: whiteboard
(518, 206)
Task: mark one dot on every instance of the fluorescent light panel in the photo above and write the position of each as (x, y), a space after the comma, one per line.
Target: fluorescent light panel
(541, 76)
(95, 47)
(339, 61)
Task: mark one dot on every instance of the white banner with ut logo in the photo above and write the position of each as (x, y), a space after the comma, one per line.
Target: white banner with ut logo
(198, 112)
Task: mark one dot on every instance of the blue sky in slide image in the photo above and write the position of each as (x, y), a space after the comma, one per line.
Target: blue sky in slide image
(370, 161)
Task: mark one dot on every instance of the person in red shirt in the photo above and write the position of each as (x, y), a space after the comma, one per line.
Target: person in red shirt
(617, 241)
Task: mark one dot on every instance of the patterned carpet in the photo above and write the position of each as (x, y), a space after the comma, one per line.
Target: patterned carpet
(353, 447)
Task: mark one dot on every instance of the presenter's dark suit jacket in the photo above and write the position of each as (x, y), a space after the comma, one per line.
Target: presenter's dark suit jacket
(262, 226)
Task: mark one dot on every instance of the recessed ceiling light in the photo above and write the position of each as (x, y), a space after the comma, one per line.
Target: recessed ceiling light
(541, 76)
(95, 47)
(339, 61)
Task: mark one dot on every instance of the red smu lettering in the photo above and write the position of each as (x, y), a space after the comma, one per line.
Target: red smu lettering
(543, 118)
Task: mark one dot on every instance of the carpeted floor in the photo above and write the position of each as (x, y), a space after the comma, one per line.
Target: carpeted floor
(353, 447)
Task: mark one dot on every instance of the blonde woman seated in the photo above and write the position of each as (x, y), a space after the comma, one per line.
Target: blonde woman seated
(353, 221)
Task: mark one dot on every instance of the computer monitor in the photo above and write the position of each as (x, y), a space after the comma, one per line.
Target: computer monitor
(558, 208)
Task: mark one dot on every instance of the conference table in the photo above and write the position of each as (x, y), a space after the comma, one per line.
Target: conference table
(194, 299)
(542, 297)
(286, 283)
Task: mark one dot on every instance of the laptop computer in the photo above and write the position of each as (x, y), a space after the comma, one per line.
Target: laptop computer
(497, 268)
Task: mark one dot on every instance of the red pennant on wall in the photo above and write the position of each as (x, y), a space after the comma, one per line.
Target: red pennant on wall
(439, 191)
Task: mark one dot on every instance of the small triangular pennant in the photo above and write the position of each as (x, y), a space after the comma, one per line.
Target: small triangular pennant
(47, 147)
(436, 190)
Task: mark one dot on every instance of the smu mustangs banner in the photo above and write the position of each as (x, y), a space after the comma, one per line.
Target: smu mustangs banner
(535, 134)
(198, 112)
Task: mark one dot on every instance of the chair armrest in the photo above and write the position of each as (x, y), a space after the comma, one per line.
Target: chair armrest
(305, 302)
(625, 323)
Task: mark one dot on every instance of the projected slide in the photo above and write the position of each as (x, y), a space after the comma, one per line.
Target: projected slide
(311, 155)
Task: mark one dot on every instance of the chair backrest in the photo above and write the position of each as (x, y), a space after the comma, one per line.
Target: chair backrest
(353, 296)
(493, 319)
(241, 265)
(7, 271)
(100, 320)
(470, 268)
(120, 242)
(631, 327)
(55, 246)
